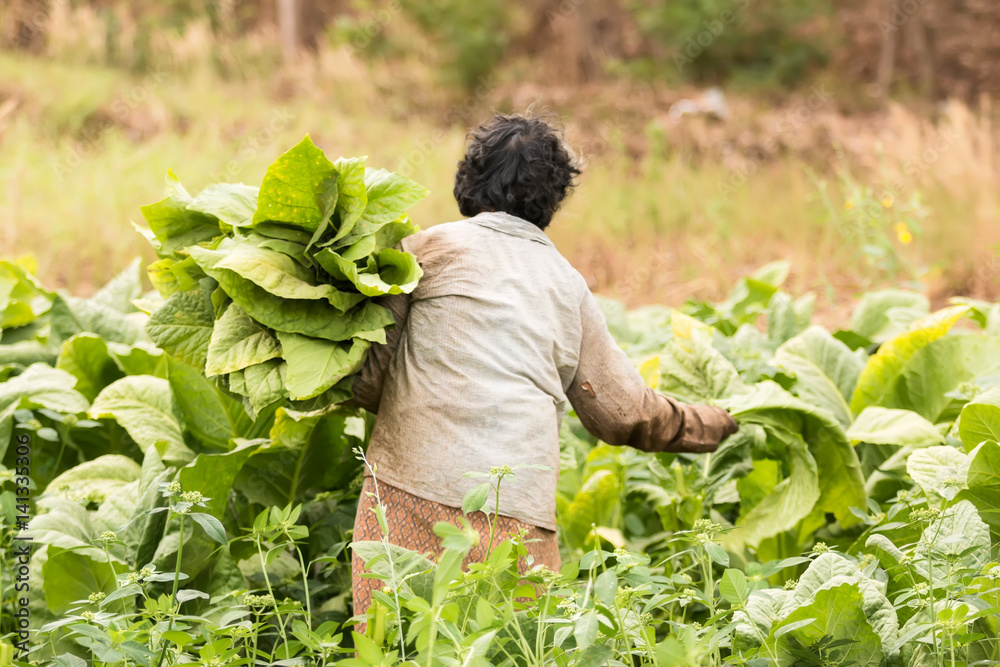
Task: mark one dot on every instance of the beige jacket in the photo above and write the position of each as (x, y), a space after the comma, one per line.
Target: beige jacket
(498, 338)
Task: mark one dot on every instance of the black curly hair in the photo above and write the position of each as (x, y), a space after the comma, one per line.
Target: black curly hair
(516, 164)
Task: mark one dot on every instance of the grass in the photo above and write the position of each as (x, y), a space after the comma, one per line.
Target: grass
(85, 146)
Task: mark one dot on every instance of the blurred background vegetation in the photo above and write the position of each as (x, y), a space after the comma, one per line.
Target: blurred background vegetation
(856, 137)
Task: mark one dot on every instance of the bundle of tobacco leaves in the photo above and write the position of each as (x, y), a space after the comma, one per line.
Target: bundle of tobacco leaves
(270, 290)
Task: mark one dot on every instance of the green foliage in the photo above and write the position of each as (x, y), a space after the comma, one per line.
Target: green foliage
(169, 523)
(882, 314)
(472, 36)
(711, 41)
(880, 375)
(268, 291)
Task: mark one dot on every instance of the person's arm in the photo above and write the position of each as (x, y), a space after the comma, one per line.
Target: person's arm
(615, 405)
(368, 382)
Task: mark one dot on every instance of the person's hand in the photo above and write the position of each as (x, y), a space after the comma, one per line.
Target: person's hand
(706, 428)
(731, 426)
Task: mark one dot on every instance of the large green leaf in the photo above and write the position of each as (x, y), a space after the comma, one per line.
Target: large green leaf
(144, 406)
(94, 481)
(65, 524)
(879, 376)
(183, 326)
(293, 249)
(274, 271)
(310, 318)
(232, 203)
(940, 471)
(830, 570)
(69, 576)
(355, 252)
(22, 298)
(213, 474)
(170, 276)
(881, 315)
(983, 482)
(117, 510)
(146, 531)
(397, 272)
(791, 500)
(392, 233)
(70, 315)
(25, 353)
(140, 359)
(693, 370)
(277, 231)
(315, 365)
(787, 317)
(338, 393)
(306, 452)
(750, 296)
(759, 483)
(355, 247)
(200, 551)
(980, 420)
(762, 609)
(941, 368)
(86, 357)
(299, 188)
(834, 614)
(732, 460)
(352, 193)
(825, 370)
(39, 386)
(173, 225)
(882, 426)
(265, 384)
(389, 195)
(119, 292)
(841, 481)
(958, 539)
(594, 503)
(238, 342)
(210, 415)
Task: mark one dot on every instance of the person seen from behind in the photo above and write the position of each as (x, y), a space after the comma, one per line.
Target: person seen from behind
(500, 338)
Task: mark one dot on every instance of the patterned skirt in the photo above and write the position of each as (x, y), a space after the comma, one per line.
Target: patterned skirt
(411, 525)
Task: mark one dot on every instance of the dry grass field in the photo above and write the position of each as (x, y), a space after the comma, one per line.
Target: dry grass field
(667, 208)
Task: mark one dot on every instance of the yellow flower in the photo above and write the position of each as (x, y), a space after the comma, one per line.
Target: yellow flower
(848, 204)
(903, 233)
(887, 201)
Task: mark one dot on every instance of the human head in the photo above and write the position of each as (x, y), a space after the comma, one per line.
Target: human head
(515, 164)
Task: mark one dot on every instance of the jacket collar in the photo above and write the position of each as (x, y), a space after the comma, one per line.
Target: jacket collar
(506, 223)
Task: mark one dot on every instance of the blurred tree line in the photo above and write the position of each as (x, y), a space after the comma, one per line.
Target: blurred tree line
(929, 47)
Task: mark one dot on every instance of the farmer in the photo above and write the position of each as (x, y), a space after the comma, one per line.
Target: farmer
(498, 340)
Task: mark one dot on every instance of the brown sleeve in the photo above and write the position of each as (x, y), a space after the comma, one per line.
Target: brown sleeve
(615, 405)
(367, 385)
